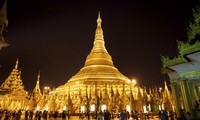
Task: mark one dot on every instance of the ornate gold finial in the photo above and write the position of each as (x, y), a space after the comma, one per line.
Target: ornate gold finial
(17, 62)
(38, 81)
(37, 86)
(38, 76)
(99, 19)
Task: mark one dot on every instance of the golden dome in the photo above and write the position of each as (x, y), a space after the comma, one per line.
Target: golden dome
(99, 67)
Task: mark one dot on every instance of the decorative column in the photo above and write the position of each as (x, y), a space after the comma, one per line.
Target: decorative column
(131, 101)
(177, 101)
(197, 88)
(186, 96)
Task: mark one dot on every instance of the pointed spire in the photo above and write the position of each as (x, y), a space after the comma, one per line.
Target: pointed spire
(37, 86)
(99, 54)
(17, 62)
(99, 20)
(37, 92)
(99, 44)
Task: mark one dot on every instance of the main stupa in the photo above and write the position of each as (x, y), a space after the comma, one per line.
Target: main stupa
(99, 85)
(99, 68)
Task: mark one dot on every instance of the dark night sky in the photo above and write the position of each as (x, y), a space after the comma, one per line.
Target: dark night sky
(55, 36)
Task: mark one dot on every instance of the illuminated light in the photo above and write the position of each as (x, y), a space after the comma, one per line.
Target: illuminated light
(134, 82)
(159, 107)
(145, 109)
(163, 108)
(82, 109)
(92, 108)
(64, 108)
(27, 108)
(129, 81)
(103, 107)
(47, 108)
(149, 107)
(38, 107)
(46, 88)
(173, 108)
(128, 108)
(160, 89)
(77, 82)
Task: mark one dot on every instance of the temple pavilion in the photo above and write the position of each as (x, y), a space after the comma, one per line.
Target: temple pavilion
(12, 93)
(184, 71)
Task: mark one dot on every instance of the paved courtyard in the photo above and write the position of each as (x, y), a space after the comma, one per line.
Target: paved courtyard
(77, 118)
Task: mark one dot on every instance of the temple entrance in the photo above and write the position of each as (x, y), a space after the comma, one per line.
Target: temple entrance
(82, 109)
(128, 108)
(64, 107)
(103, 107)
(92, 108)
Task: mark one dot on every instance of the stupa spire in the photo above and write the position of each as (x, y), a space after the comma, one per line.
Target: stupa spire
(37, 92)
(99, 54)
(99, 19)
(37, 86)
(99, 44)
(17, 62)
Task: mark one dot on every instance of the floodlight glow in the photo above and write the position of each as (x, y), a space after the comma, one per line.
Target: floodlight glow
(103, 107)
(128, 108)
(92, 108)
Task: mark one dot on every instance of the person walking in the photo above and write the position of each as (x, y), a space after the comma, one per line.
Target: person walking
(63, 115)
(188, 116)
(100, 116)
(123, 115)
(26, 115)
(107, 115)
(164, 115)
(55, 115)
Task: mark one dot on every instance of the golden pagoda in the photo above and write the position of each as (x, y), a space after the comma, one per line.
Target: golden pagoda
(13, 96)
(99, 85)
(36, 95)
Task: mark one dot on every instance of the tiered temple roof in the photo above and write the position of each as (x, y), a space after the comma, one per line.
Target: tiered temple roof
(13, 82)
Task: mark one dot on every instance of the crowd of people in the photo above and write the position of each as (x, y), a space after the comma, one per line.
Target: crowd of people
(101, 115)
(45, 115)
(197, 104)
(31, 115)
